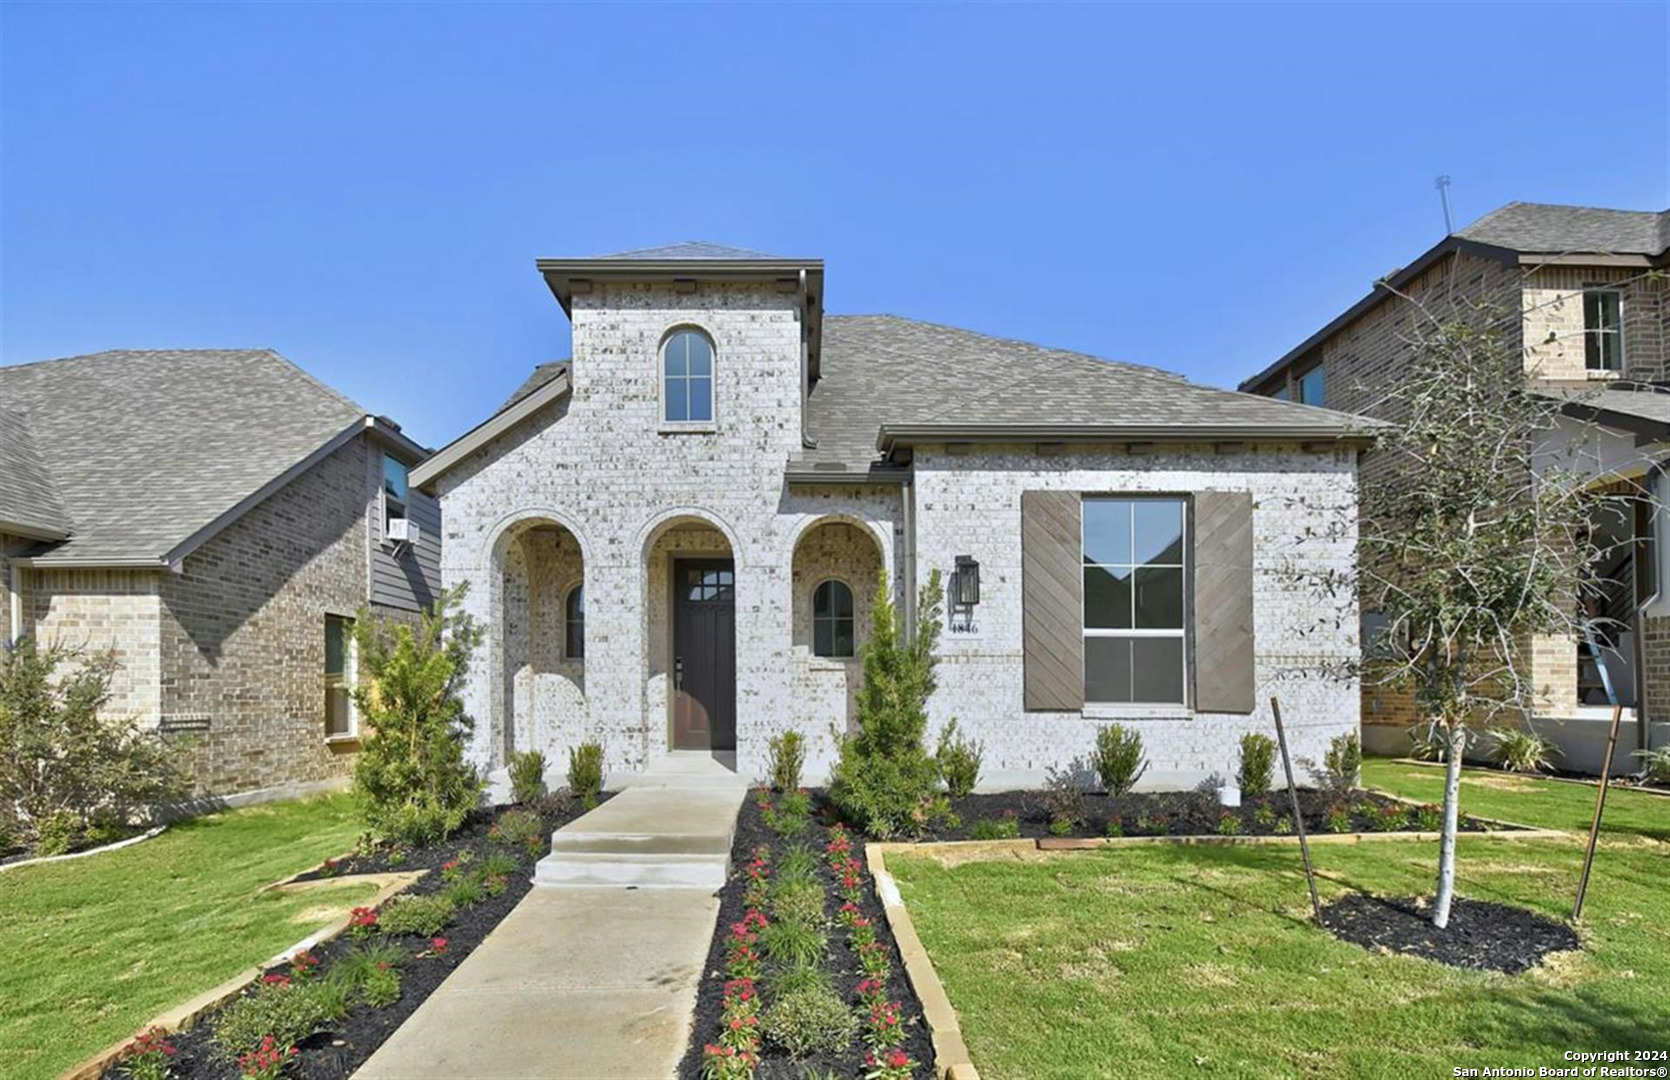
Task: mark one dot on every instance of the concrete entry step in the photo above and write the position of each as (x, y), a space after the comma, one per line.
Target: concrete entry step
(671, 834)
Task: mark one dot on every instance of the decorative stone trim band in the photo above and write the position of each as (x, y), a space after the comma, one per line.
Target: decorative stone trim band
(129, 842)
(186, 1015)
(951, 1059)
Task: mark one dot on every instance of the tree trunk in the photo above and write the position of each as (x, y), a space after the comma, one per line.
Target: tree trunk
(1446, 845)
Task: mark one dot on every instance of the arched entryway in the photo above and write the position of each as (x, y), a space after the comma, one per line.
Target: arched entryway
(837, 570)
(691, 574)
(539, 640)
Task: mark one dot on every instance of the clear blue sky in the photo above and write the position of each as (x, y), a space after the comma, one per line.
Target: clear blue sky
(365, 188)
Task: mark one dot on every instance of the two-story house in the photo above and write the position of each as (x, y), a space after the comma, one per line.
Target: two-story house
(217, 518)
(674, 538)
(1581, 293)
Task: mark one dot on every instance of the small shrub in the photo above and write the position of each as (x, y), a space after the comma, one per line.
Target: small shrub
(1264, 816)
(458, 866)
(787, 981)
(357, 965)
(420, 916)
(1339, 818)
(795, 802)
(1118, 758)
(1283, 825)
(1258, 757)
(785, 824)
(411, 780)
(499, 864)
(793, 944)
(380, 987)
(798, 864)
(1390, 817)
(995, 829)
(467, 891)
(1341, 766)
(959, 761)
(286, 1012)
(267, 1061)
(58, 833)
(585, 772)
(1429, 817)
(334, 998)
(527, 776)
(788, 754)
(1523, 751)
(1063, 799)
(518, 830)
(808, 1021)
(800, 902)
(1655, 766)
(1115, 826)
(1229, 823)
(1153, 824)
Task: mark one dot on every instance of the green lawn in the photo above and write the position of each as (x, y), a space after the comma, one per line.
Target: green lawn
(1165, 960)
(1527, 800)
(97, 946)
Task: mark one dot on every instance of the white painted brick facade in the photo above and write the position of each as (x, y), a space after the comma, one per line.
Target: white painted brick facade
(600, 466)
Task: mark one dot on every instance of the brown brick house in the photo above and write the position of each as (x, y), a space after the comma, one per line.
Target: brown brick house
(1581, 292)
(217, 517)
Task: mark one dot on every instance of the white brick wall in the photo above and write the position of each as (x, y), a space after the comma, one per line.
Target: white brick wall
(601, 467)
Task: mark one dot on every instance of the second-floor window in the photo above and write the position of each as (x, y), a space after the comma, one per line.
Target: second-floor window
(1603, 330)
(395, 492)
(687, 378)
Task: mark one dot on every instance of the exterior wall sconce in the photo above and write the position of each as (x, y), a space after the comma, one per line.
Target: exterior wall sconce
(965, 582)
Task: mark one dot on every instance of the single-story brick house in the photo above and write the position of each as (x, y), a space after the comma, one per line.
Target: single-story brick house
(673, 538)
(217, 518)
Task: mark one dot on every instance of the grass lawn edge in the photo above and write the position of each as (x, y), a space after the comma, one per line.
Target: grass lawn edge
(186, 1014)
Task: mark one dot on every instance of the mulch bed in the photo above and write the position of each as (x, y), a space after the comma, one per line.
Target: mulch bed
(841, 962)
(1481, 936)
(1184, 813)
(335, 1053)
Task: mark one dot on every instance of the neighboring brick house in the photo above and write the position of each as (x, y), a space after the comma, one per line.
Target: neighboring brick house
(217, 518)
(1581, 293)
(674, 538)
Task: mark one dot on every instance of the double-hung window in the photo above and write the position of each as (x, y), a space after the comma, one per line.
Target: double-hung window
(340, 722)
(1603, 330)
(1134, 600)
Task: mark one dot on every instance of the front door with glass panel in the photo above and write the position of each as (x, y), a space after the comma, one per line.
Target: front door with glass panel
(704, 654)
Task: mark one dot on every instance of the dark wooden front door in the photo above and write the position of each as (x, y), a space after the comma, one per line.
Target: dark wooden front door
(704, 654)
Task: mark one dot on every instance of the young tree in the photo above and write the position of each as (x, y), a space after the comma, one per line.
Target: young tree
(886, 780)
(411, 781)
(1475, 538)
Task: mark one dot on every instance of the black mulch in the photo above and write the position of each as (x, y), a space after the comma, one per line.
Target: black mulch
(334, 1054)
(1183, 813)
(842, 962)
(1481, 935)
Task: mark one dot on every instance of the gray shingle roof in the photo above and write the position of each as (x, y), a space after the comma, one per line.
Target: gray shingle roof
(689, 249)
(148, 447)
(884, 369)
(1544, 227)
(28, 497)
(1639, 401)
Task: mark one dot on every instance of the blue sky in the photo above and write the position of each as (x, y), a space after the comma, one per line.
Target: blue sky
(365, 188)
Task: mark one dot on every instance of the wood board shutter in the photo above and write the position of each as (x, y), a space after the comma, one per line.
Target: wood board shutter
(1052, 600)
(1223, 602)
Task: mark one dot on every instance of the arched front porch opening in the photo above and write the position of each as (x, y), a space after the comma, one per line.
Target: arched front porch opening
(691, 575)
(539, 641)
(837, 572)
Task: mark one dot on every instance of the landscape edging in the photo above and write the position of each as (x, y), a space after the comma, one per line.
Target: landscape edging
(129, 842)
(186, 1014)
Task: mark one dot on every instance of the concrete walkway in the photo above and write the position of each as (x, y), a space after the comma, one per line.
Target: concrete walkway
(587, 980)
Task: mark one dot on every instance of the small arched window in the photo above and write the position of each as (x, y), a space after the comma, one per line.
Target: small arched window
(574, 624)
(687, 378)
(832, 625)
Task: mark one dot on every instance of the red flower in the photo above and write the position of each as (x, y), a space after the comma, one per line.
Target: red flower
(438, 944)
(276, 980)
